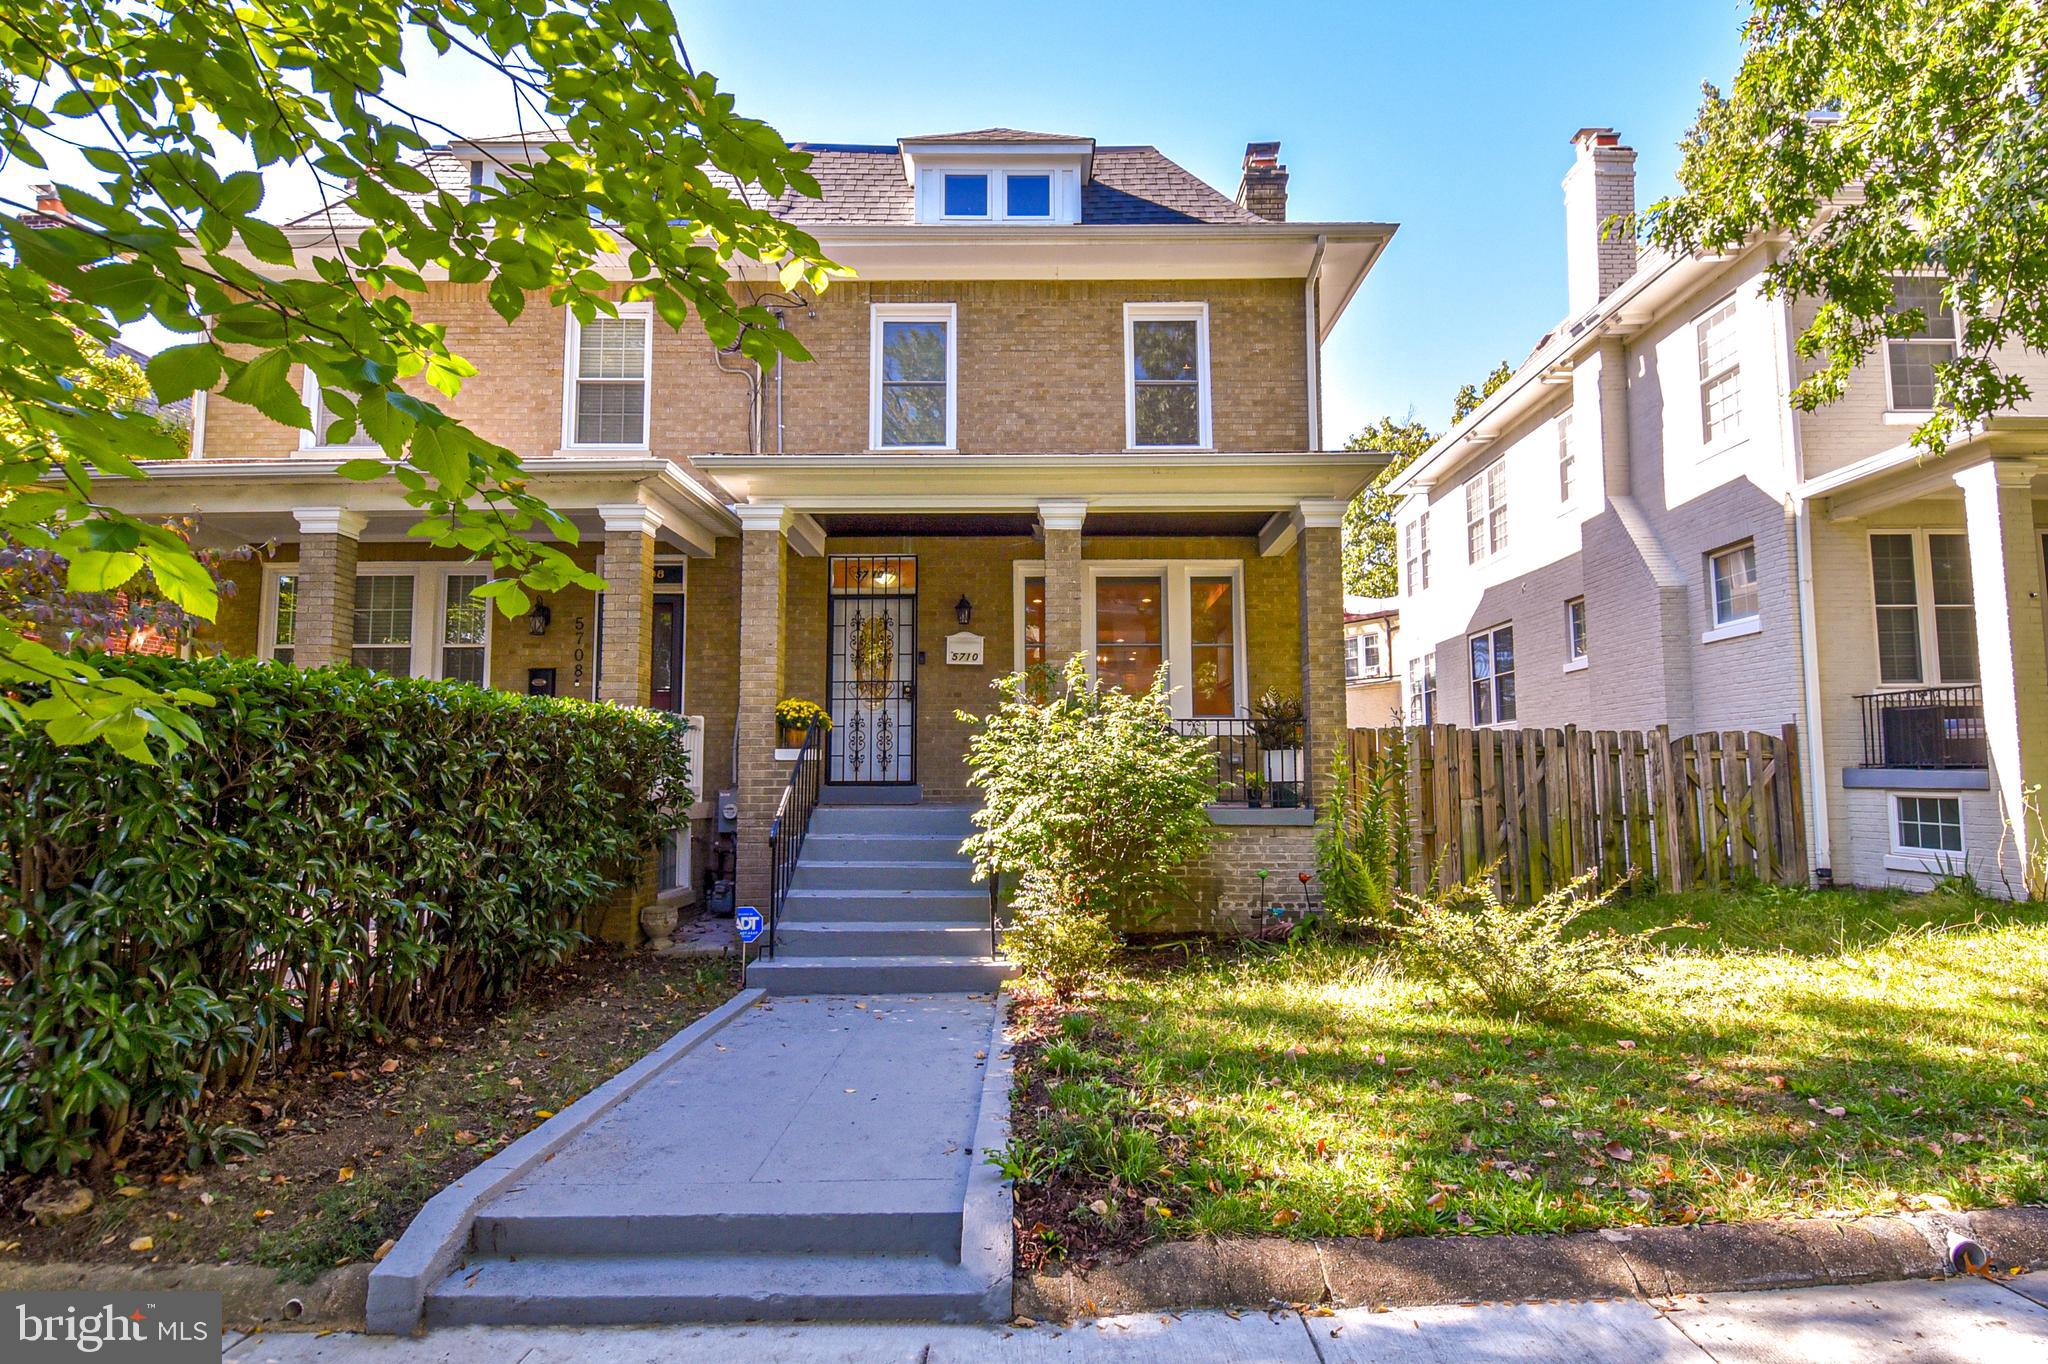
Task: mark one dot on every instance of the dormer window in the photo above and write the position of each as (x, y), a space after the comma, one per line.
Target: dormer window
(966, 196)
(998, 175)
(1027, 196)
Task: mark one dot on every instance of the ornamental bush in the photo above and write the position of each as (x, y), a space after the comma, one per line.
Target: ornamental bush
(338, 855)
(1091, 793)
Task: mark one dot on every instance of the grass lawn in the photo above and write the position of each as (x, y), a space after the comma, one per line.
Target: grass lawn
(351, 1154)
(1802, 1053)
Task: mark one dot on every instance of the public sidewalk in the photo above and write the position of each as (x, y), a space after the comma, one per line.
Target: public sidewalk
(1956, 1321)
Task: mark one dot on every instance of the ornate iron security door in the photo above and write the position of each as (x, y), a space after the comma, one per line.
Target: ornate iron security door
(871, 671)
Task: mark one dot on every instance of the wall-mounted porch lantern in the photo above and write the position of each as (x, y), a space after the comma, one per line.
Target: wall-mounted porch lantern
(963, 610)
(538, 619)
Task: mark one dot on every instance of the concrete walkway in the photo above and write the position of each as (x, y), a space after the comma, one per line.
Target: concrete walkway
(813, 1159)
(1962, 1321)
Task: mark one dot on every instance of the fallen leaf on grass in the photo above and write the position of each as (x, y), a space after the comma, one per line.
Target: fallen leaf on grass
(1616, 1151)
(129, 1191)
(390, 1067)
(344, 1174)
(381, 1251)
(465, 1137)
(260, 1214)
(142, 1243)
(1286, 1217)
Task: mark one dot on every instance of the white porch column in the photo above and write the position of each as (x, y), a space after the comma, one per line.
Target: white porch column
(2012, 649)
(1060, 521)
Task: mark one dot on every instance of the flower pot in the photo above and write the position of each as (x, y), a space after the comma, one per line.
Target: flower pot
(1286, 795)
(1283, 766)
(793, 735)
(1255, 796)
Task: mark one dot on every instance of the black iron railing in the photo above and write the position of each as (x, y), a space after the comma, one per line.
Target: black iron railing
(792, 821)
(1925, 727)
(1247, 771)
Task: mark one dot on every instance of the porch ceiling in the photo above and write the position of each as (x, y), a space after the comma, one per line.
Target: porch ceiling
(1011, 525)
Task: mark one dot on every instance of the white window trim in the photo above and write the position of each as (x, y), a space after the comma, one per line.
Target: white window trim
(1925, 607)
(429, 608)
(1930, 861)
(1714, 445)
(879, 313)
(1914, 415)
(643, 311)
(1415, 566)
(309, 394)
(1063, 190)
(1198, 313)
(1020, 570)
(1419, 685)
(1566, 498)
(1734, 626)
(1575, 661)
(1480, 478)
(1493, 678)
(1175, 577)
(992, 179)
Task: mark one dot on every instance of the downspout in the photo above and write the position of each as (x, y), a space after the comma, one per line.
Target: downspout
(1311, 290)
(781, 321)
(1819, 844)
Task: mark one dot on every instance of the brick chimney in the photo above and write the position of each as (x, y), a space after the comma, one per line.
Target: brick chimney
(1263, 191)
(1601, 185)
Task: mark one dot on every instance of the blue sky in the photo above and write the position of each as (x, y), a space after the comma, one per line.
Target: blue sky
(1451, 118)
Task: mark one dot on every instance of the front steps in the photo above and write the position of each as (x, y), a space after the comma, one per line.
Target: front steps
(882, 901)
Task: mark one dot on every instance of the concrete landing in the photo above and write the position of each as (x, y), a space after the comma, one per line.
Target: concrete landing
(813, 1161)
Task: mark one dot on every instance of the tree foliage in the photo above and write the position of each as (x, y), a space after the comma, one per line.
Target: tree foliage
(1885, 137)
(644, 157)
(1371, 559)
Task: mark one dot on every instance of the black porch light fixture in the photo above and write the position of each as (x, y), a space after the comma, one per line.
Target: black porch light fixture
(963, 610)
(538, 619)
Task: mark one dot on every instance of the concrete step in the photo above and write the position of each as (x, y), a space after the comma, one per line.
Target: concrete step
(884, 906)
(881, 940)
(893, 975)
(908, 794)
(893, 819)
(938, 874)
(914, 1217)
(881, 847)
(631, 1290)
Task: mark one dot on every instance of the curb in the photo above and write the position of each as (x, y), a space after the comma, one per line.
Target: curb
(438, 1236)
(987, 1244)
(1632, 1262)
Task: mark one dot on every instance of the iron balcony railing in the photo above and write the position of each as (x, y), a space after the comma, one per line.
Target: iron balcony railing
(1939, 727)
(792, 821)
(1248, 772)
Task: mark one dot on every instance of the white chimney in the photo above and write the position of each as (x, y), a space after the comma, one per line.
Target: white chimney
(1601, 185)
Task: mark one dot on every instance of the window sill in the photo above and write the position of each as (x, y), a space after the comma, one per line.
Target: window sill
(1894, 416)
(1169, 449)
(1924, 864)
(1720, 448)
(604, 450)
(1734, 629)
(1577, 665)
(913, 449)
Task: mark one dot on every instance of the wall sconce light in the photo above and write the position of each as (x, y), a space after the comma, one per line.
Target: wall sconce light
(538, 619)
(963, 610)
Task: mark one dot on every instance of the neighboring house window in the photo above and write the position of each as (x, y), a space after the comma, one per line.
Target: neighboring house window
(915, 362)
(1027, 196)
(1130, 632)
(1415, 550)
(1720, 374)
(1911, 360)
(1928, 824)
(1486, 512)
(1732, 573)
(966, 196)
(465, 622)
(1906, 635)
(1034, 622)
(1166, 349)
(1566, 463)
(1212, 646)
(1362, 656)
(284, 633)
(1493, 676)
(609, 378)
(383, 639)
(1575, 629)
(1422, 689)
(315, 399)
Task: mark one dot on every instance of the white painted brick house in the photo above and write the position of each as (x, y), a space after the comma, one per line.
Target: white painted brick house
(1638, 529)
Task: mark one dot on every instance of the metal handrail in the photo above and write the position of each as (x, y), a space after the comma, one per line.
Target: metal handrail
(1925, 727)
(1245, 767)
(792, 822)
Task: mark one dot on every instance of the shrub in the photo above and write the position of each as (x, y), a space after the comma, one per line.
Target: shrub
(1277, 720)
(1359, 842)
(1090, 793)
(338, 854)
(1521, 960)
(1058, 948)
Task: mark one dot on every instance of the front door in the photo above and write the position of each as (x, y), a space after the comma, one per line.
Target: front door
(665, 685)
(871, 671)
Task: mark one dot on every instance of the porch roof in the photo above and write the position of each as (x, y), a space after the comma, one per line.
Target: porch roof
(1906, 472)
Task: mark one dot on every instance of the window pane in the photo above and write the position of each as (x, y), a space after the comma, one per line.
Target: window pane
(323, 418)
(967, 196)
(1028, 196)
(1482, 657)
(1169, 414)
(1129, 645)
(1575, 625)
(915, 351)
(1212, 627)
(464, 664)
(610, 413)
(1949, 557)
(1912, 365)
(1931, 823)
(612, 348)
(468, 616)
(1210, 617)
(1891, 570)
(287, 632)
(913, 414)
(1165, 349)
(1955, 643)
(1735, 596)
(1923, 292)
(1503, 650)
(397, 662)
(384, 609)
(1898, 644)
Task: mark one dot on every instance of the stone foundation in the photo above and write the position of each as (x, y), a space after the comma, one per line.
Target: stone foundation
(1225, 889)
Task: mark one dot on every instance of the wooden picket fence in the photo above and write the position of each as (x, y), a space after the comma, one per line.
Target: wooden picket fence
(1549, 804)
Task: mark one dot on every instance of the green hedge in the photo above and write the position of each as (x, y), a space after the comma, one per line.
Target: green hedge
(341, 854)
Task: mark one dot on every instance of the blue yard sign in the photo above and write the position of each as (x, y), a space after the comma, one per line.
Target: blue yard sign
(749, 922)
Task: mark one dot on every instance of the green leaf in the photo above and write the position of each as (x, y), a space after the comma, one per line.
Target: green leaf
(264, 241)
(363, 470)
(265, 384)
(99, 570)
(180, 371)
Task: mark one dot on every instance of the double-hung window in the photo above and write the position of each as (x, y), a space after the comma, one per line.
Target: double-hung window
(384, 623)
(465, 623)
(284, 633)
(1486, 512)
(1415, 553)
(1422, 689)
(1362, 656)
(1493, 676)
(1138, 617)
(1732, 593)
(1911, 361)
(1575, 631)
(1567, 463)
(915, 363)
(1720, 374)
(1166, 350)
(1212, 644)
(1130, 631)
(416, 621)
(609, 378)
(1920, 585)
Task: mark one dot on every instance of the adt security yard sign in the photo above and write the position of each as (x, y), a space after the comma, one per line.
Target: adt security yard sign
(749, 922)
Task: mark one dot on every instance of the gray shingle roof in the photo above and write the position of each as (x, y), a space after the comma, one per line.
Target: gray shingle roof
(864, 185)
